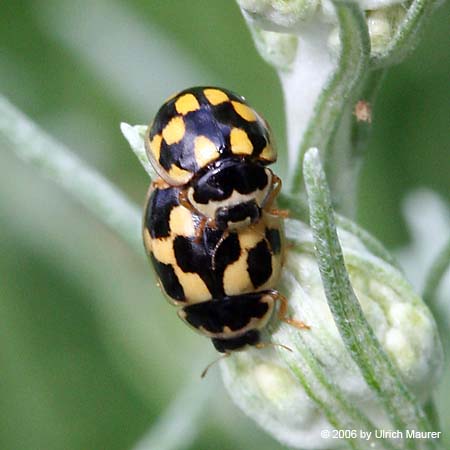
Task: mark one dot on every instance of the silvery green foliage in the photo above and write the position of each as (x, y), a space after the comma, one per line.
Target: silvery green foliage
(390, 22)
(372, 356)
(266, 383)
(134, 134)
(329, 55)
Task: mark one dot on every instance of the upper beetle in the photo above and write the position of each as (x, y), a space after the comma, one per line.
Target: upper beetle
(210, 142)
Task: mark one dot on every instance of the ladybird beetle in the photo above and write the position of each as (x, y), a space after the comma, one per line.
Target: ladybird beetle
(212, 143)
(209, 228)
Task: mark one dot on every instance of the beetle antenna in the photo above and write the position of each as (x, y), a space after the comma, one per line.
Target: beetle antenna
(205, 371)
(273, 344)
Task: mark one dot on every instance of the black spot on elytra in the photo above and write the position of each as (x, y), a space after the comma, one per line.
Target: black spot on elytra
(259, 262)
(162, 118)
(234, 312)
(168, 279)
(196, 257)
(157, 216)
(227, 253)
(251, 337)
(214, 122)
(274, 238)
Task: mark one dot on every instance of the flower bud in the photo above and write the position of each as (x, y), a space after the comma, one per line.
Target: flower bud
(382, 25)
(288, 393)
(278, 49)
(281, 15)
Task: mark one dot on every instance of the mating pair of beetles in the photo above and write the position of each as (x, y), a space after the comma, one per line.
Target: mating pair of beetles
(211, 227)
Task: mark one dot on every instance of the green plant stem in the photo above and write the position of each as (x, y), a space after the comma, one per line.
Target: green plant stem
(352, 64)
(349, 143)
(54, 160)
(361, 130)
(376, 367)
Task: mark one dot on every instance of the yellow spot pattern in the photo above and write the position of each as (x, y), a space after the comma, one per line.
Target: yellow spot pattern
(181, 223)
(268, 153)
(174, 130)
(179, 175)
(240, 143)
(186, 103)
(194, 287)
(236, 279)
(155, 146)
(162, 248)
(244, 111)
(215, 96)
(249, 237)
(205, 151)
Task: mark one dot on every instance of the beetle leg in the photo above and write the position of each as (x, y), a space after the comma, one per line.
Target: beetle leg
(283, 310)
(284, 213)
(184, 201)
(271, 197)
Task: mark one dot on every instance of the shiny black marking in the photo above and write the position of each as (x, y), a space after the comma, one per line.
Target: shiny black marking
(196, 257)
(214, 122)
(237, 213)
(227, 253)
(168, 279)
(234, 312)
(259, 262)
(227, 118)
(162, 118)
(251, 337)
(193, 257)
(170, 154)
(227, 175)
(274, 238)
(157, 217)
(197, 123)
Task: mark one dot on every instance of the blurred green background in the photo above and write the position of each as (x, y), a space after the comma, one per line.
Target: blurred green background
(91, 354)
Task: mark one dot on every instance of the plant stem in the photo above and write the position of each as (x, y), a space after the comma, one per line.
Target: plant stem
(376, 367)
(58, 163)
(328, 109)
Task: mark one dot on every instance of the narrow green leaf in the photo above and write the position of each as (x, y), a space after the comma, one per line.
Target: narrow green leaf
(339, 411)
(58, 163)
(377, 369)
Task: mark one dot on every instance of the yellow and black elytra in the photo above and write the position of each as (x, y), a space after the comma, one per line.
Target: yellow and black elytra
(209, 229)
(212, 143)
